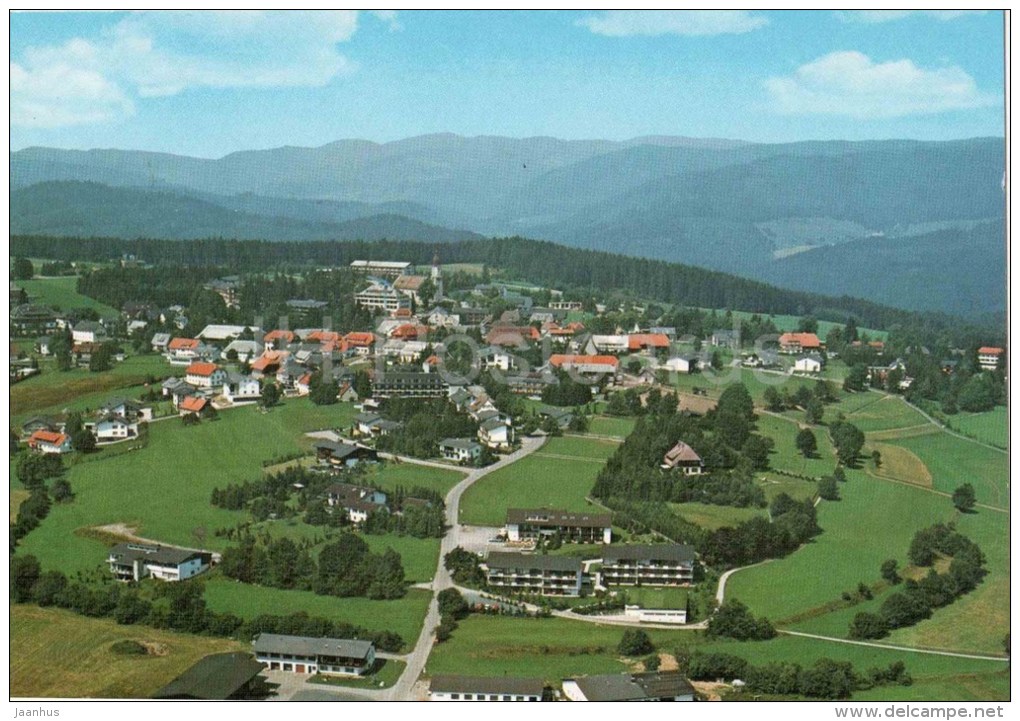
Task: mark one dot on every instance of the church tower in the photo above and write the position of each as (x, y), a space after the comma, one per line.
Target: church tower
(437, 277)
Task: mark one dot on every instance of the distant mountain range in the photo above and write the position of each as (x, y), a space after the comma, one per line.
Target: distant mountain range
(781, 212)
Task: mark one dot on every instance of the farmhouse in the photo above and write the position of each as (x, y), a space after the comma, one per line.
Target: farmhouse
(302, 654)
(656, 686)
(725, 339)
(485, 688)
(529, 524)
(129, 409)
(682, 456)
(29, 319)
(665, 564)
(462, 450)
(160, 341)
(358, 501)
(181, 351)
(191, 404)
(988, 357)
(49, 442)
(799, 343)
(205, 375)
(217, 677)
(226, 288)
(647, 341)
(610, 343)
(602, 364)
(135, 561)
(242, 350)
(88, 332)
(339, 455)
(530, 573)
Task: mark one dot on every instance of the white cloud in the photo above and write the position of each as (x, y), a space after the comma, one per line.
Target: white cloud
(163, 53)
(872, 17)
(625, 23)
(850, 83)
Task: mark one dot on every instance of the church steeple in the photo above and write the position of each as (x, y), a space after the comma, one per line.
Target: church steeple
(437, 276)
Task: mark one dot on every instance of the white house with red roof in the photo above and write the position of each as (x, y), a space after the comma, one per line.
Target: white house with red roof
(799, 343)
(181, 351)
(988, 357)
(585, 363)
(205, 375)
(43, 441)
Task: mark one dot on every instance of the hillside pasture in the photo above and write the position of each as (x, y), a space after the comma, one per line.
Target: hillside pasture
(75, 653)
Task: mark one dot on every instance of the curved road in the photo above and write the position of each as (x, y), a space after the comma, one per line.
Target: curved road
(402, 690)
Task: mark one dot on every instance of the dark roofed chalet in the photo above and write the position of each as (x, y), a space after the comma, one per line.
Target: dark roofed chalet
(674, 552)
(501, 559)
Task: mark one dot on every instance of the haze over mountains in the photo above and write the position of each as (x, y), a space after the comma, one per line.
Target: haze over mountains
(907, 223)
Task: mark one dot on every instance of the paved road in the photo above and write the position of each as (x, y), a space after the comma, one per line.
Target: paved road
(908, 649)
(403, 689)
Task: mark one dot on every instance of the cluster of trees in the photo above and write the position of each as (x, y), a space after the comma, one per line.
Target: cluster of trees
(421, 520)
(452, 608)
(756, 539)
(810, 399)
(425, 423)
(567, 392)
(34, 470)
(635, 642)
(345, 567)
(824, 679)
(178, 606)
(22, 269)
(723, 439)
(848, 440)
(918, 599)
(465, 567)
(734, 620)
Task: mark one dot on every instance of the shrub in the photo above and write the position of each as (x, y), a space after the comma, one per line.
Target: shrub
(129, 648)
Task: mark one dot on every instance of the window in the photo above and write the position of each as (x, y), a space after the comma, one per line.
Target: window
(493, 697)
(468, 697)
(455, 696)
(508, 698)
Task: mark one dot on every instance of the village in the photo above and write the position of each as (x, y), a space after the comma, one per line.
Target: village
(442, 426)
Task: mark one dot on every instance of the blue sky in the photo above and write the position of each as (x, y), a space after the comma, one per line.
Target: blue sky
(210, 84)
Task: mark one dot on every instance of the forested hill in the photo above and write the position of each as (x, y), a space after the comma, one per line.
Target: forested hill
(964, 269)
(537, 261)
(85, 208)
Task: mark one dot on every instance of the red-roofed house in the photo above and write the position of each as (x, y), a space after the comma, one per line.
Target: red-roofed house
(409, 331)
(303, 385)
(191, 404)
(182, 350)
(799, 342)
(322, 336)
(361, 342)
(279, 338)
(512, 336)
(988, 357)
(402, 313)
(205, 375)
(49, 442)
(643, 341)
(268, 363)
(585, 363)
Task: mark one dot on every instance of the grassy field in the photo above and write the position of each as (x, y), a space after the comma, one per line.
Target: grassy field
(62, 293)
(17, 497)
(609, 426)
(559, 648)
(953, 461)
(990, 427)
(712, 517)
(559, 475)
(388, 475)
(56, 653)
(404, 616)
(875, 412)
(180, 463)
(785, 455)
(79, 389)
(899, 464)
(876, 519)
(649, 597)
(420, 556)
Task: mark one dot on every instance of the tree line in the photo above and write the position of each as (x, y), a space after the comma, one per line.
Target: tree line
(580, 271)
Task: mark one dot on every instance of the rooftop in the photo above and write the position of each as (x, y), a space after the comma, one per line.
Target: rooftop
(552, 517)
(487, 685)
(213, 678)
(307, 646)
(634, 686)
(652, 552)
(501, 559)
